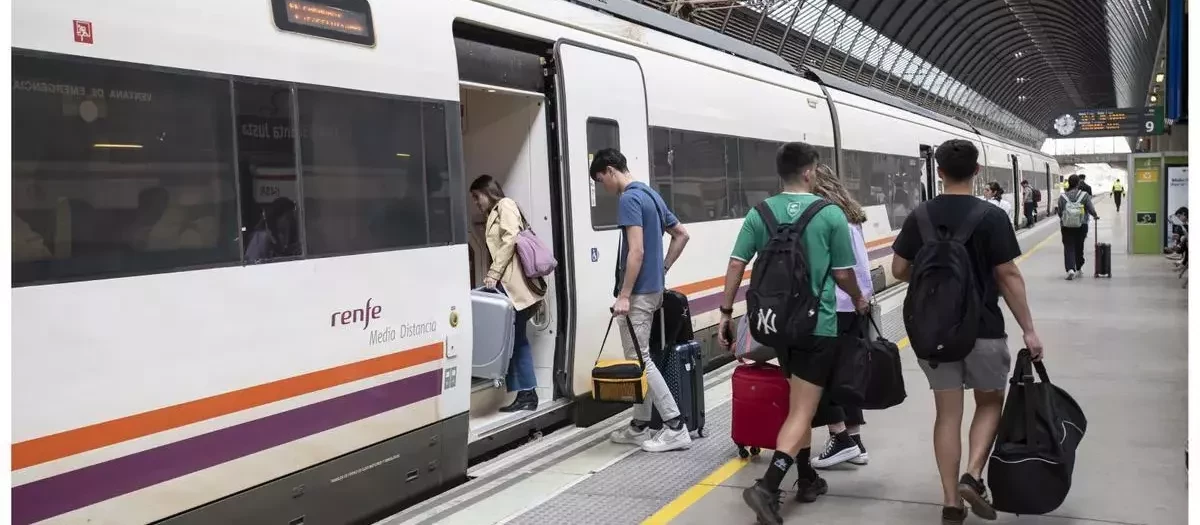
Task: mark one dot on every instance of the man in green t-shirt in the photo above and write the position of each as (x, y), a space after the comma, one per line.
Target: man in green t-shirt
(810, 364)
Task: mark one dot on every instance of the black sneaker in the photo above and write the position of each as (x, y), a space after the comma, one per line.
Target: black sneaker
(765, 503)
(839, 449)
(808, 490)
(975, 493)
(862, 458)
(953, 515)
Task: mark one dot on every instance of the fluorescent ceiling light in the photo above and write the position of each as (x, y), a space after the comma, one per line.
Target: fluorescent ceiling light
(116, 146)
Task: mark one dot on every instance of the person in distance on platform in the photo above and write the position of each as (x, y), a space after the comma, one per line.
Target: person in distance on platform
(994, 194)
(641, 277)
(845, 422)
(1073, 236)
(505, 274)
(1118, 191)
(1028, 203)
(810, 363)
(992, 248)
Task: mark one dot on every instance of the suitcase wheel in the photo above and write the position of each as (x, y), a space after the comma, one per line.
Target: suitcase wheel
(699, 432)
(742, 452)
(754, 451)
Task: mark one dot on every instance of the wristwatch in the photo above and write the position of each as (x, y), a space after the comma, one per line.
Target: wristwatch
(726, 311)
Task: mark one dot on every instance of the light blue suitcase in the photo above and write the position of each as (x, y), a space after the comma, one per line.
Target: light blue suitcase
(493, 321)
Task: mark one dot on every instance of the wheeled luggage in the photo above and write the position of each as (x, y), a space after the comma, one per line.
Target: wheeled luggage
(681, 367)
(760, 406)
(1103, 256)
(1031, 465)
(619, 380)
(493, 323)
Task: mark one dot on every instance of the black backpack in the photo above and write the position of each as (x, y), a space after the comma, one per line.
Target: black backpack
(944, 303)
(780, 302)
(1037, 195)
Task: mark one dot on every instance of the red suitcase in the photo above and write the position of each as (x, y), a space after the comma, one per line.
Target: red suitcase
(760, 406)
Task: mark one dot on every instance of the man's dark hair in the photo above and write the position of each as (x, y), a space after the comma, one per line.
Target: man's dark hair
(608, 158)
(1024, 183)
(958, 159)
(1082, 176)
(793, 158)
(1072, 182)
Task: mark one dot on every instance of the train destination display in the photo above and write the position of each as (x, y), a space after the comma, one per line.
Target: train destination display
(1108, 122)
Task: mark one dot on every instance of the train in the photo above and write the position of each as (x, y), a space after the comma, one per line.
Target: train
(243, 250)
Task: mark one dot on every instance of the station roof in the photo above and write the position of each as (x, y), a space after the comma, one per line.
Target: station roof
(1006, 66)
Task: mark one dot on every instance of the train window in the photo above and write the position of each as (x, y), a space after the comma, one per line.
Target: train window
(660, 164)
(602, 133)
(758, 178)
(698, 176)
(266, 154)
(733, 181)
(118, 170)
(437, 174)
(362, 166)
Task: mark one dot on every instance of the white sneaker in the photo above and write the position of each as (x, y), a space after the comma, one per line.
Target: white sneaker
(631, 436)
(1070, 275)
(667, 439)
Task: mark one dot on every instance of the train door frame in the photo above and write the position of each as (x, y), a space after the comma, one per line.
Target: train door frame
(560, 217)
(1018, 198)
(1049, 191)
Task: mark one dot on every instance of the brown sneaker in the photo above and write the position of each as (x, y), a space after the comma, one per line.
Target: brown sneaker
(975, 493)
(953, 515)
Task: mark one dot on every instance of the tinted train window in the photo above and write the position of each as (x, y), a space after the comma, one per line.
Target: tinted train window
(437, 174)
(602, 133)
(267, 164)
(118, 170)
(660, 164)
(363, 173)
(880, 179)
(758, 179)
(698, 176)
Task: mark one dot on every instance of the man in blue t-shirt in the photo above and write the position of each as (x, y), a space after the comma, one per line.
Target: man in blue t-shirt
(640, 276)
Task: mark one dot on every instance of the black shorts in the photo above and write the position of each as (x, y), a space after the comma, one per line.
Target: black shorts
(813, 362)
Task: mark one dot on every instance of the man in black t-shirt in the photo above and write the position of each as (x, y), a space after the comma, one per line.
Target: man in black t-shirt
(993, 250)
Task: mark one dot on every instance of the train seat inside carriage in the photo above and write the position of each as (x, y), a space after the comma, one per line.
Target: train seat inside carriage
(504, 135)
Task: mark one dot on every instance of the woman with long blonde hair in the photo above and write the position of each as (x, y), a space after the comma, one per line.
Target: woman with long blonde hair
(844, 423)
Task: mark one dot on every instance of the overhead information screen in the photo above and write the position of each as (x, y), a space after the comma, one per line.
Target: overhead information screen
(344, 20)
(1108, 122)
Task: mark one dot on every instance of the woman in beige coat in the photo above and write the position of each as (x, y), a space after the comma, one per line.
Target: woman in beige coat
(503, 222)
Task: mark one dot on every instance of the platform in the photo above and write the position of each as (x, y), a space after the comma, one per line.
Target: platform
(1118, 345)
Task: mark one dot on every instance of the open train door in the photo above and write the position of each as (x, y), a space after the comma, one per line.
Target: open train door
(929, 178)
(601, 104)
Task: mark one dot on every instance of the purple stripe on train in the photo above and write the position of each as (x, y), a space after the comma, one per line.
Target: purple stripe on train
(76, 489)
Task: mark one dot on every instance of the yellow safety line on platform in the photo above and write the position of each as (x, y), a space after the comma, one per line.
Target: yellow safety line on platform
(699, 490)
(677, 506)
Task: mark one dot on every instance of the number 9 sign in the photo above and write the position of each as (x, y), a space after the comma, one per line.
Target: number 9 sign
(1149, 126)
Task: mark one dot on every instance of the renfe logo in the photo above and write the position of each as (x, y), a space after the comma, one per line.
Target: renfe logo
(363, 315)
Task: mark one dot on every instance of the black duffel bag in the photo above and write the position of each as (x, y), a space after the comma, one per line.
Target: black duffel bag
(1031, 464)
(868, 373)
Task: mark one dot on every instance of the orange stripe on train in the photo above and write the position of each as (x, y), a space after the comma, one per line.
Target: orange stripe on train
(56, 446)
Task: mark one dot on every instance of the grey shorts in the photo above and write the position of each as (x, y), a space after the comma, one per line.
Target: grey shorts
(985, 368)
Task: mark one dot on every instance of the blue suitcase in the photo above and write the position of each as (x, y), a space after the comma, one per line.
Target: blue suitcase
(683, 370)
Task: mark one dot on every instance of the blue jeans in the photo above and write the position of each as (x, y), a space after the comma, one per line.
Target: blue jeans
(520, 368)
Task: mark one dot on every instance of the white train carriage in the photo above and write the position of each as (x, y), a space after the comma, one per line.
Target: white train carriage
(242, 247)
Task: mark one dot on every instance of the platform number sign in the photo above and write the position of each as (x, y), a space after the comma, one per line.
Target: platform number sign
(83, 32)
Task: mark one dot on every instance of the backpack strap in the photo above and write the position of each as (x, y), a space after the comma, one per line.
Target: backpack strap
(809, 213)
(964, 231)
(924, 225)
(768, 218)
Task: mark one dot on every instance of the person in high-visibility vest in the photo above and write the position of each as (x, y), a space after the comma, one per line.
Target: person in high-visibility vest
(1118, 191)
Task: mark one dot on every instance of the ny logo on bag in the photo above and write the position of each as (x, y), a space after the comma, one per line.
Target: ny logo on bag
(766, 321)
